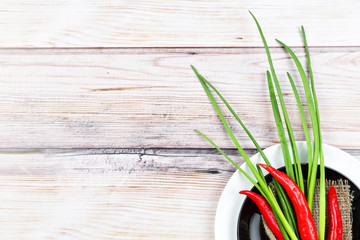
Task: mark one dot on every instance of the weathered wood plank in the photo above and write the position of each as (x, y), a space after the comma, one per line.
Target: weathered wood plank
(152, 23)
(111, 193)
(46, 195)
(150, 98)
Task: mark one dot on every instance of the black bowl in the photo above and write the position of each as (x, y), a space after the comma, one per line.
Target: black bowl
(249, 209)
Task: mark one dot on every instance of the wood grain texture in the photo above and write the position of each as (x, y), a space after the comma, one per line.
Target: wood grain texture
(90, 195)
(112, 193)
(149, 98)
(158, 23)
(98, 105)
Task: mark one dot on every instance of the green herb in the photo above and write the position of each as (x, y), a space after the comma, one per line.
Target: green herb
(284, 146)
(304, 123)
(314, 122)
(284, 214)
(284, 202)
(264, 187)
(322, 197)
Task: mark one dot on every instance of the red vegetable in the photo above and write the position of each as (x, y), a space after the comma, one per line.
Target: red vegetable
(266, 211)
(305, 220)
(334, 216)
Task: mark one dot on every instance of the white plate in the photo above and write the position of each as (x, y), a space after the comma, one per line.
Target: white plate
(230, 202)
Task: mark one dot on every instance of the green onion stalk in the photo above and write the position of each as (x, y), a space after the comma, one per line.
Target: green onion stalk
(283, 212)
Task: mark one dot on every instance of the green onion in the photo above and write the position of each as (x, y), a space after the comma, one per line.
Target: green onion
(230, 160)
(283, 142)
(284, 215)
(322, 197)
(314, 122)
(280, 128)
(284, 202)
(304, 123)
(267, 193)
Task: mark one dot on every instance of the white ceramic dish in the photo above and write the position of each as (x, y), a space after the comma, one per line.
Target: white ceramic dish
(230, 202)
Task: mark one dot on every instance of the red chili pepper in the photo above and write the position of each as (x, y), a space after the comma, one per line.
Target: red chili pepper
(266, 211)
(334, 216)
(304, 218)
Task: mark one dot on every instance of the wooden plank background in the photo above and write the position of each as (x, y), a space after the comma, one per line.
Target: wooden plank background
(174, 23)
(112, 193)
(98, 105)
(151, 99)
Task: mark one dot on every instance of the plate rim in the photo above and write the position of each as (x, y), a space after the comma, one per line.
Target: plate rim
(230, 202)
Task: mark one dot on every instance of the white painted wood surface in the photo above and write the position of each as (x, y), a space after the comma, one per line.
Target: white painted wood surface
(151, 98)
(98, 105)
(112, 193)
(174, 23)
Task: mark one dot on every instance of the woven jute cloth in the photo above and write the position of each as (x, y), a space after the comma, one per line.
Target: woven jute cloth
(345, 198)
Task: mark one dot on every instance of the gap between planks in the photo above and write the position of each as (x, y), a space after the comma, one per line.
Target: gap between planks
(126, 160)
(158, 50)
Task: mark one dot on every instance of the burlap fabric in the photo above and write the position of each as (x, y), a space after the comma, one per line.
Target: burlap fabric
(345, 198)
